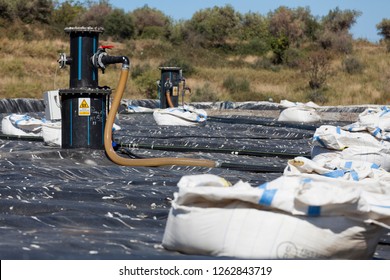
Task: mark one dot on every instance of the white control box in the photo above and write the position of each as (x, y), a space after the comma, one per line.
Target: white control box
(52, 105)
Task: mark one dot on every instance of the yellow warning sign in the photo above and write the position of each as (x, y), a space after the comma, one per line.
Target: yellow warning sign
(175, 91)
(84, 106)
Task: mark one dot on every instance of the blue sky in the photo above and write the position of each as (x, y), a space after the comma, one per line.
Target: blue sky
(373, 11)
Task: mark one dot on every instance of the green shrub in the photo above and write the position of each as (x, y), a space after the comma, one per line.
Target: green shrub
(266, 63)
(352, 65)
(119, 25)
(255, 46)
(340, 42)
(236, 85)
(279, 45)
(147, 83)
(317, 68)
(292, 57)
(153, 32)
(319, 96)
(204, 94)
(139, 70)
(6, 13)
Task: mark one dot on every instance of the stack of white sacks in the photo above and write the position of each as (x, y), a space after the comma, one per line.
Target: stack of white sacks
(365, 140)
(334, 206)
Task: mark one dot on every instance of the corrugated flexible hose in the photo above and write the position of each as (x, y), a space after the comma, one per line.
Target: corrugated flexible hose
(140, 162)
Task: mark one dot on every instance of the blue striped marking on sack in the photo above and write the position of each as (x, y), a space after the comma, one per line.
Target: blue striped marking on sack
(338, 130)
(267, 197)
(24, 118)
(306, 180)
(376, 131)
(263, 186)
(335, 174)
(385, 111)
(348, 164)
(375, 166)
(354, 175)
(314, 210)
(318, 139)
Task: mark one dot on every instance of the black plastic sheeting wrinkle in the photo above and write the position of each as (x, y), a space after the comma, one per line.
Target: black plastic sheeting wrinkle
(76, 204)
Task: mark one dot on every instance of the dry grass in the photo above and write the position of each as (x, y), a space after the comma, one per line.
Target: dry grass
(27, 69)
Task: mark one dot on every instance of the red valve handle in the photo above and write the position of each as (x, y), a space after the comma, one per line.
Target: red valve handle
(106, 47)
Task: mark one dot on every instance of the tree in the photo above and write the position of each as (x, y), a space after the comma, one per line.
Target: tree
(340, 21)
(296, 25)
(119, 25)
(290, 28)
(384, 30)
(95, 15)
(252, 35)
(176, 32)
(317, 68)
(34, 10)
(64, 14)
(5, 10)
(253, 25)
(213, 26)
(340, 41)
(336, 25)
(150, 23)
(279, 46)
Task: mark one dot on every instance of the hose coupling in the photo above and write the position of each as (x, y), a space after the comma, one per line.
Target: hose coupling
(63, 60)
(101, 59)
(97, 58)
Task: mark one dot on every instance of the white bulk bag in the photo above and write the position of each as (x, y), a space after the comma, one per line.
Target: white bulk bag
(375, 121)
(183, 116)
(299, 114)
(298, 215)
(336, 167)
(21, 125)
(51, 132)
(362, 146)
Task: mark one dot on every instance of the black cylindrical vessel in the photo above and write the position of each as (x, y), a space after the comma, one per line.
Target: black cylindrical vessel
(84, 106)
(84, 117)
(84, 42)
(169, 86)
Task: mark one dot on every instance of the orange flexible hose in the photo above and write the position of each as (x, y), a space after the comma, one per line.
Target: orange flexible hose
(169, 100)
(140, 162)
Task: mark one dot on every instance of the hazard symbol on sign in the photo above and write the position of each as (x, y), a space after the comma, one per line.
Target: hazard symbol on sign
(84, 107)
